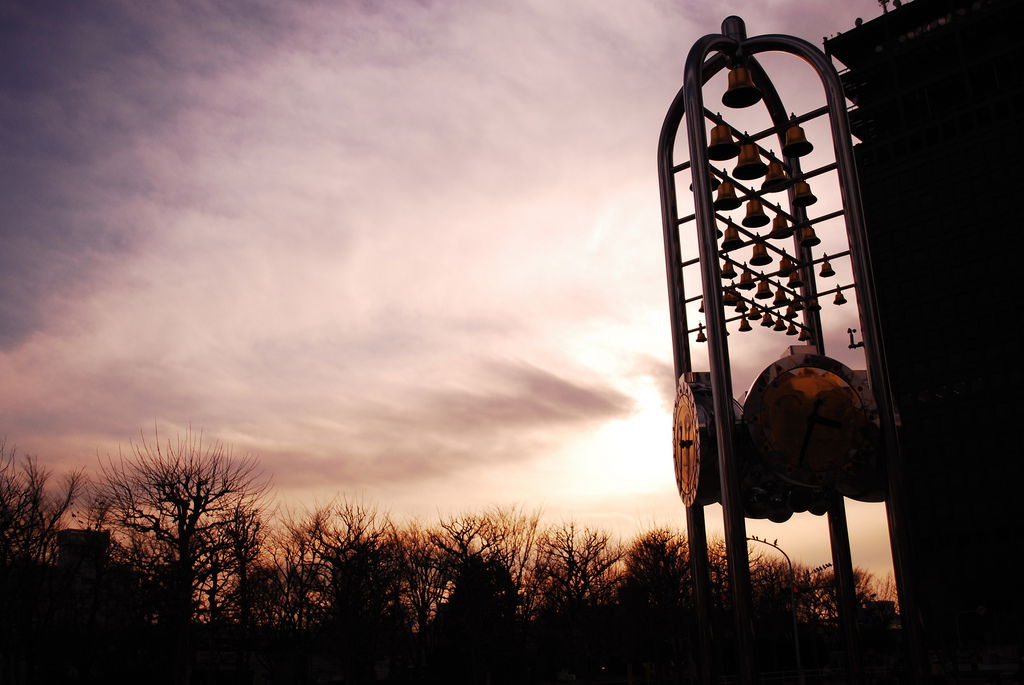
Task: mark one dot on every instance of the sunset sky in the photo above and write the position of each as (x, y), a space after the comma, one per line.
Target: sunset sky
(408, 250)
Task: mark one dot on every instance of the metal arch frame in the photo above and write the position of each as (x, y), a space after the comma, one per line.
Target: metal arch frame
(725, 48)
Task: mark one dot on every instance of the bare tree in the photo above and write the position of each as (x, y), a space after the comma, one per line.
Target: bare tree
(32, 513)
(185, 496)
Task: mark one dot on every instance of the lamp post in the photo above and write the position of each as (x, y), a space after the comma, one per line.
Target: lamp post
(792, 604)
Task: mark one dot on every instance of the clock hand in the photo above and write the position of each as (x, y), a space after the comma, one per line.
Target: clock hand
(812, 421)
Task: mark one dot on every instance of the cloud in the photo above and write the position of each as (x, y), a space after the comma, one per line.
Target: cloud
(405, 246)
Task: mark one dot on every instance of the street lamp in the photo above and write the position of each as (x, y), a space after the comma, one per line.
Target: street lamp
(792, 603)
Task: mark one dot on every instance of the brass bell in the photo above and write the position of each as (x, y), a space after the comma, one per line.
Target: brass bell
(795, 279)
(728, 297)
(701, 307)
(786, 265)
(760, 256)
(746, 280)
(798, 305)
(732, 239)
(744, 325)
(791, 330)
(755, 214)
(742, 92)
(826, 268)
(767, 320)
(804, 335)
(780, 324)
(780, 228)
(722, 146)
(796, 144)
(764, 291)
(812, 305)
(808, 238)
(726, 199)
(776, 178)
(790, 312)
(714, 183)
(781, 297)
(749, 165)
(802, 195)
(728, 272)
(840, 298)
(754, 312)
(741, 305)
(700, 334)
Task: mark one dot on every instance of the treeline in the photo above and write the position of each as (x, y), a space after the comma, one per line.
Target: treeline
(170, 566)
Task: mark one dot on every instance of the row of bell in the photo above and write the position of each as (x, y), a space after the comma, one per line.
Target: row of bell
(722, 146)
(786, 268)
(781, 298)
(727, 199)
(768, 321)
(731, 240)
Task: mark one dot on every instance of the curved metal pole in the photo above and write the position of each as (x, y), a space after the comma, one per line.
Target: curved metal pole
(860, 258)
(721, 377)
(839, 533)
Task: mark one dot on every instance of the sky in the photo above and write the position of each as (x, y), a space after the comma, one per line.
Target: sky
(408, 251)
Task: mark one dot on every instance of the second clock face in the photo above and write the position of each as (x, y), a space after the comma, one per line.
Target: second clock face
(809, 424)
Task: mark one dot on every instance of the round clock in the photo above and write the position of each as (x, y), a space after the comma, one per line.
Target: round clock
(695, 450)
(814, 423)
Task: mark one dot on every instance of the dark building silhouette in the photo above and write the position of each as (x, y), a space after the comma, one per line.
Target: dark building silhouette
(939, 94)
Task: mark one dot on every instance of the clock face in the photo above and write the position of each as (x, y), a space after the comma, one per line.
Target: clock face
(812, 421)
(694, 445)
(686, 438)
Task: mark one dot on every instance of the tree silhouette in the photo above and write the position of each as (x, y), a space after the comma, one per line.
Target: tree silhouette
(183, 498)
(32, 513)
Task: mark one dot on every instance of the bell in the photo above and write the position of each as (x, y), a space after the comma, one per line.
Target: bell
(722, 146)
(744, 325)
(790, 312)
(781, 297)
(786, 265)
(776, 178)
(780, 324)
(826, 268)
(700, 334)
(808, 238)
(701, 307)
(840, 298)
(746, 280)
(795, 279)
(726, 199)
(812, 305)
(780, 228)
(714, 183)
(802, 195)
(798, 305)
(796, 144)
(791, 330)
(767, 320)
(741, 305)
(754, 312)
(732, 239)
(804, 335)
(755, 215)
(760, 256)
(728, 272)
(742, 92)
(729, 297)
(749, 165)
(764, 291)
